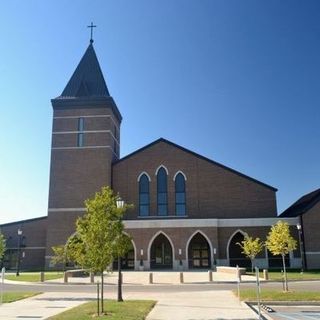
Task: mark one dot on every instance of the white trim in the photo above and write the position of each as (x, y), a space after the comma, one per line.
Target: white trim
(312, 252)
(151, 242)
(88, 131)
(162, 166)
(91, 116)
(161, 222)
(209, 242)
(66, 209)
(229, 241)
(185, 177)
(87, 147)
(27, 248)
(141, 174)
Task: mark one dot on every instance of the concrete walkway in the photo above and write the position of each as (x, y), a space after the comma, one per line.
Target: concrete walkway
(43, 306)
(192, 305)
(204, 305)
(162, 277)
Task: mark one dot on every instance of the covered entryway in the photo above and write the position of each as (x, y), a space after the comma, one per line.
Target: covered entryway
(161, 253)
(127, 261)
(199, 252)
(236, 257)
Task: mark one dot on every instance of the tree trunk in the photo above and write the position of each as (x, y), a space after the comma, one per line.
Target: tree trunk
(251, 265)
(102, 307)
(285, 273)
(119, 280)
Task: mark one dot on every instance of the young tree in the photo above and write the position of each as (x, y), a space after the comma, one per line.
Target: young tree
(251, 248)
(280, 242)
(60, 256)
(2, 245)
(97, 234)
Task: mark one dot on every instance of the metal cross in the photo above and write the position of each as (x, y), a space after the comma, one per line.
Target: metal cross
(91, 26)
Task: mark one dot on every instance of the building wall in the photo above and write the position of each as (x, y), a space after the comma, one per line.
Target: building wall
(77, 172)
(180, 233)
(211, 190)
(33, 243)
(311, 226)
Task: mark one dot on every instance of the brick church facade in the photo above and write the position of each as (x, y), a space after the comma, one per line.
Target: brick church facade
(189, 211)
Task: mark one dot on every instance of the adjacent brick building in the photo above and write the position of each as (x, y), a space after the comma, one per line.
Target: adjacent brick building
(189, 211)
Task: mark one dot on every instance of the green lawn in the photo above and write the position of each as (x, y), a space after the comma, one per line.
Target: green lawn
(127, 310)
(276, 295)
(33, 276)
(14, 296)
(292, 275)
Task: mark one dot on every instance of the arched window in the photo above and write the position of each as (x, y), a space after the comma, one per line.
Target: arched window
(162, 193)
(144, 196)
(180, 189)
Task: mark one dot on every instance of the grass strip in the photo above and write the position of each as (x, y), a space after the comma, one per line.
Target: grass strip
(15, 296)
(33, 276)
(277, 275)
(276, 295)
(126, 310)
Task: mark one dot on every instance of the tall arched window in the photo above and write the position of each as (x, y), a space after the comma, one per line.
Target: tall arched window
(180, 189)
(162, 193)
(144, 196)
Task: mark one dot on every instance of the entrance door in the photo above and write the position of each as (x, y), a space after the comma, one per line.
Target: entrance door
(161, 253)
(199, 253)
(236, 257)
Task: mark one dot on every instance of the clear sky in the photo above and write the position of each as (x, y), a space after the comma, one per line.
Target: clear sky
(236, 81)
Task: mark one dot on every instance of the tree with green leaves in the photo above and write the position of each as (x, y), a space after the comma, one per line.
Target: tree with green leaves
(251, 248)
(2, 245)
(280, 242)
(60, 256)
(98, 237)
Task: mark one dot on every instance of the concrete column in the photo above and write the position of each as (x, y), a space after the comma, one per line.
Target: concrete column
(181, 277)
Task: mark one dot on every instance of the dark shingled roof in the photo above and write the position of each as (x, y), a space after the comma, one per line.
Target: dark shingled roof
(87, 80)
(302, 205)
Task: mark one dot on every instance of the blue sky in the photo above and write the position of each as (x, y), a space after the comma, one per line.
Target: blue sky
(236, 81)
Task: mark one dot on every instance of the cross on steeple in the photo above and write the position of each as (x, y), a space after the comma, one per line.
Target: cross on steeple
(91, 26)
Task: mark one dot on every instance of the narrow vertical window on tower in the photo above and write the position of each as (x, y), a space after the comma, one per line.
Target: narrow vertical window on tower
(162, 193)
(144, 196)
(80, 132)
(180, 190)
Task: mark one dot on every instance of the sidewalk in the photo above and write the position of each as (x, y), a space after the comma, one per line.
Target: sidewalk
(191, 305)
(142, 278)
(204, 305)
(43, 306)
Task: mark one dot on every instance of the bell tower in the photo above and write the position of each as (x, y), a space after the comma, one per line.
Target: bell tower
(85, 142)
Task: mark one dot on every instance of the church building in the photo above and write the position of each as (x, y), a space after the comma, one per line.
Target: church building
(189, 211)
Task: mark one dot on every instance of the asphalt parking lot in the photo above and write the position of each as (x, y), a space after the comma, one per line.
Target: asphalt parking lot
(295, 312)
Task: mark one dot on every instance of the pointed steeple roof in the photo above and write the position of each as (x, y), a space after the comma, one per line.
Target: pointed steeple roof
(87, 80)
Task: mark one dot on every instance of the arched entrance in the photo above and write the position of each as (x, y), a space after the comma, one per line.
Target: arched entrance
(236, 257)
(127, 261)
(275, 262)
(199, 252)
(161, 253)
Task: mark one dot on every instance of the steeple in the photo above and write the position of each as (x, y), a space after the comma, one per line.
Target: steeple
(87, 80)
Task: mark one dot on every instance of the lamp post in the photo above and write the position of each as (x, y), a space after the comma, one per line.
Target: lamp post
(299, 227)
(120, 205)
(19, 251)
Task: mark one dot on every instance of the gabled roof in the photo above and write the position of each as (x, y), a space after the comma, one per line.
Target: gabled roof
(302, 205)
(87, 80)
(22, 221)
(196, 155)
